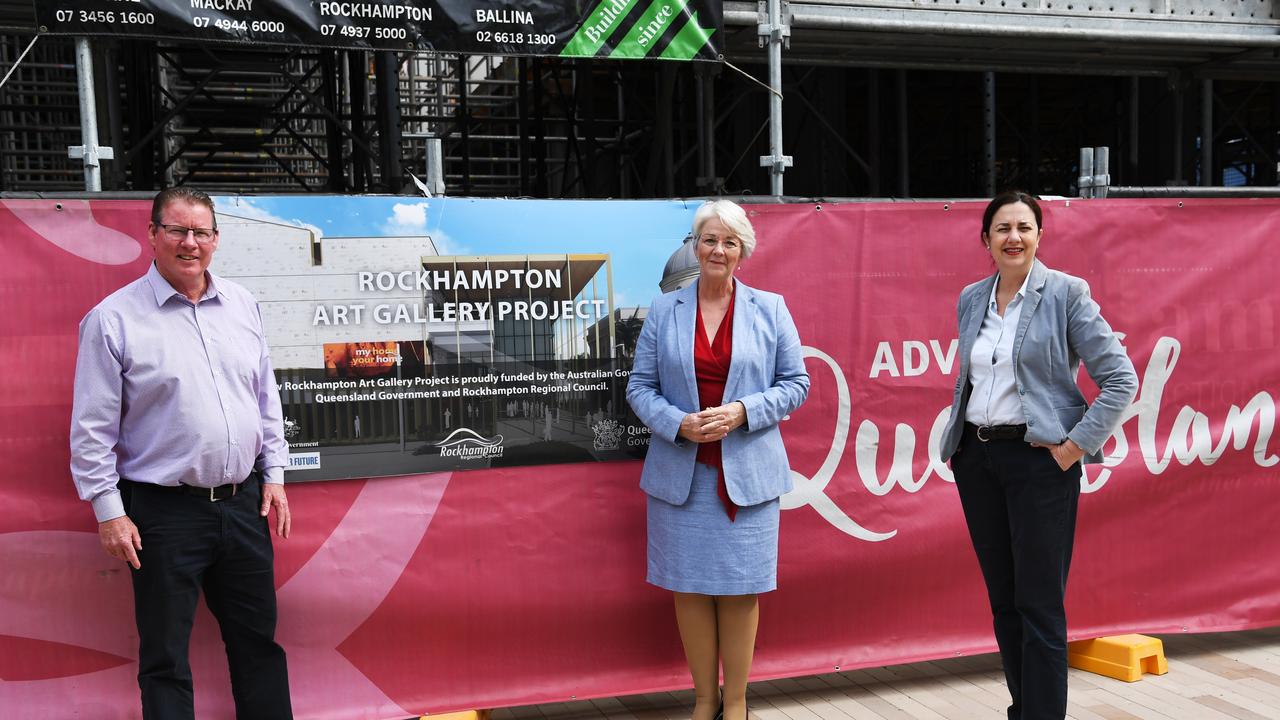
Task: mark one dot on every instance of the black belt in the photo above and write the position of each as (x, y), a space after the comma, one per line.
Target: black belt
(987, 433)
(212, 494)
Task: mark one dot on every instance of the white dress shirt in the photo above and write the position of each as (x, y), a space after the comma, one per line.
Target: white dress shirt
(994, 399)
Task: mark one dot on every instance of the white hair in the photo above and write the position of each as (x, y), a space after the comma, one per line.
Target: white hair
(732, 216)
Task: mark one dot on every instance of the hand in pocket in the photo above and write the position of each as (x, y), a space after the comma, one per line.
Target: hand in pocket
(1066, 454)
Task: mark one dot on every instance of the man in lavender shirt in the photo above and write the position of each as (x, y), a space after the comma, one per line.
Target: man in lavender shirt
(177, 441)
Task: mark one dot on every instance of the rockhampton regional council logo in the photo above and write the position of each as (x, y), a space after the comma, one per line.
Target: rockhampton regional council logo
(467, 444)
(608, 434)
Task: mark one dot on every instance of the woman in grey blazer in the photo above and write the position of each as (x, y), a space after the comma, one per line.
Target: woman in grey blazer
(1019, 430)
(717, 367)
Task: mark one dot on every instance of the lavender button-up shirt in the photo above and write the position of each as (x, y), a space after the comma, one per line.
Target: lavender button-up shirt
(169, 391)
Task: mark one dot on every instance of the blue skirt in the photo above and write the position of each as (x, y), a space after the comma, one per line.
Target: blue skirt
(694, 548)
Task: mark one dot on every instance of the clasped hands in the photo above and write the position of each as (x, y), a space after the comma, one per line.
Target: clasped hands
(713, 423)
(1066, 453)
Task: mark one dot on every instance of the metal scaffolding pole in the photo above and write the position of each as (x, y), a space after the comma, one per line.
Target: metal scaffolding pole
(774, 31)
(358, 93)
(1084, 179)
(387, 68)
(90, 152)
(331, 94)
(464, 121)
(522, 121)
(541, 188)
(812, 15)
(704, 78)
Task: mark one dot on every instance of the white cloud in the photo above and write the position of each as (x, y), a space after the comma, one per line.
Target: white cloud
(411, 219)
(407, 219)
(240, 207)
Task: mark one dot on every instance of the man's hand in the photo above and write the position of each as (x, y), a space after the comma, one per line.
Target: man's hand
(273, 495)
(1065, 454)
(121, 540)
(713, 423)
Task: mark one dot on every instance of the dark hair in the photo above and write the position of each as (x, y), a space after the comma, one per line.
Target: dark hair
(1009, 197)
(185, 194)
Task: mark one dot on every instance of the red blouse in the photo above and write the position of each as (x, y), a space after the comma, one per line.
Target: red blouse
(711, 368)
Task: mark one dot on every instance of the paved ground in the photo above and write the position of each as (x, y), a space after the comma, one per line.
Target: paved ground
(1211, 677)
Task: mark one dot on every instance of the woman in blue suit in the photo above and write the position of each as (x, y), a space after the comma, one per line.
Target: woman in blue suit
(717, 367)
(1019, 430)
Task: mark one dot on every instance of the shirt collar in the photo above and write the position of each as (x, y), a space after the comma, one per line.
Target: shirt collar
(1017, 297)
(163, 291)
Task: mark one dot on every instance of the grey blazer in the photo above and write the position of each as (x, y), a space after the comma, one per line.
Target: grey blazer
(1060, 326)
(766, 375)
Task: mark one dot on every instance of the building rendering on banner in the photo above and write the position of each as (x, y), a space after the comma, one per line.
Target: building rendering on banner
(376, 312)
(623, 326)
(291, 269)
(545, 332)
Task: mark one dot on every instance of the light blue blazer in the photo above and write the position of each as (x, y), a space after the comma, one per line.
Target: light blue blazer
(766, 375)
(1060, 326)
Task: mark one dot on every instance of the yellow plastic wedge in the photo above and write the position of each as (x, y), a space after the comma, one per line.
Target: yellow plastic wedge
(1123, 657)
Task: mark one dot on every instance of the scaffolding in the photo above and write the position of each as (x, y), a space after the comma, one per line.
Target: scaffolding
(883, 98)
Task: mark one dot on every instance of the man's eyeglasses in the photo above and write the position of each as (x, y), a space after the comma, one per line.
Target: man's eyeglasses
(178, 233)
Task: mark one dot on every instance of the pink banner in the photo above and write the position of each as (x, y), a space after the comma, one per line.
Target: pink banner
(486, 588)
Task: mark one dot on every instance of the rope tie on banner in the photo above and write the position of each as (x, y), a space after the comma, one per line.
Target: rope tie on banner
(751, 77)
(18, 62)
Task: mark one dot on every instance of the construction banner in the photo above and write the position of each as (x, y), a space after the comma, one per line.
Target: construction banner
(400, 349)
(516, 583)
(618, 29)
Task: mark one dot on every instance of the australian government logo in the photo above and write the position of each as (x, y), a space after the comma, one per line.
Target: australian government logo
(608, 435)
(467, 444)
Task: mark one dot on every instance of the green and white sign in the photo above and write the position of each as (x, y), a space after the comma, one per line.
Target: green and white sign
(672, 25)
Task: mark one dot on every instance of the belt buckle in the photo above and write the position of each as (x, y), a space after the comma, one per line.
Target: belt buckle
(213, 497)
(979, 432)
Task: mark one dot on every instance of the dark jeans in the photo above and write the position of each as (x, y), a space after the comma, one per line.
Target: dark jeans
(1021, 511)
(224, 548)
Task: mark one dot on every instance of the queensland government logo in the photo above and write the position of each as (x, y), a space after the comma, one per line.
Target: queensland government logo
(608, 434)
(467, 444)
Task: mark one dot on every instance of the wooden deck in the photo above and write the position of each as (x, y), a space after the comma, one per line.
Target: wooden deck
(1220, 676)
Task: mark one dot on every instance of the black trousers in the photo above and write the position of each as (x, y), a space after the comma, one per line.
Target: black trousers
(224, 548)
(1021, 511)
